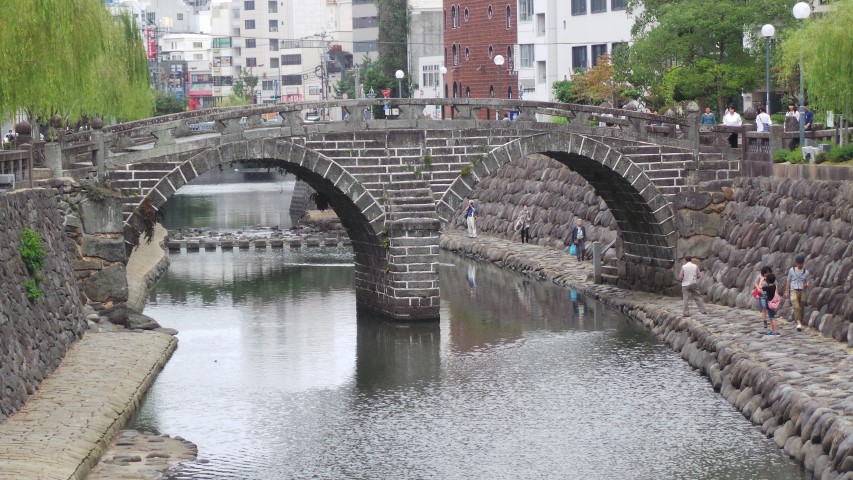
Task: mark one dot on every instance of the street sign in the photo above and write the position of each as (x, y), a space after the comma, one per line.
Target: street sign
(386, 92)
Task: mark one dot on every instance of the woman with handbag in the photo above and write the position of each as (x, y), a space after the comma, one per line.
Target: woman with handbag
(758, 292)
(771, 292)
(578, 239)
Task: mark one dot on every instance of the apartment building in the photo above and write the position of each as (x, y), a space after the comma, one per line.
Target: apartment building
(425, 50)
(555, 38)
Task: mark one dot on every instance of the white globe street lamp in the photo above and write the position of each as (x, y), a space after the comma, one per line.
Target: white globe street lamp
(767, 31)
(801, 11)
(399, 74)
(499, 61)
(439, 84)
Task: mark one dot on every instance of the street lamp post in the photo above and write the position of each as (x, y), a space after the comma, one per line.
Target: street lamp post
(399, 74)
(767, 32)
(442, 70)
(801, 11)
(499, 61)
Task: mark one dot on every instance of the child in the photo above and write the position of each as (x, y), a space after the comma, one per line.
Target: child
(760, 282)
(770, 292)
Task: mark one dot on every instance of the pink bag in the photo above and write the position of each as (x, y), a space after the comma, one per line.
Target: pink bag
(775, 302)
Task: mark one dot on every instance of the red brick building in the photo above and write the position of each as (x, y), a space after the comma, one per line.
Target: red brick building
(475, 32)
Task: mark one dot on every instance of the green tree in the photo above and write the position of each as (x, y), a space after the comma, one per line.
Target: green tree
(825, 48)
(394, 24)
(694, 49)
(166, 104)
(244, 86)
(372, 78)
(597, 84)
(71, 58)
(564, 91)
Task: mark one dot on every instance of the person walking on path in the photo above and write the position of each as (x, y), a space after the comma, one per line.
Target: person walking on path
(773, 304)
(708, 118)
(798, 282)
(732, 119)
(470, 211)
(689, 276)
(578, 238)
(523, 224)
(760, 282)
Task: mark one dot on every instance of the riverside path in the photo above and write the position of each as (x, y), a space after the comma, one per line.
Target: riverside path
(797, 387)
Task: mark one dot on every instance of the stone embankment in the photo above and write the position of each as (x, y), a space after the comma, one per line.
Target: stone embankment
(733, 227)
(796, 388)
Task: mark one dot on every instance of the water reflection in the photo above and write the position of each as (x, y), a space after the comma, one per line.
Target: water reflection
(278, 376)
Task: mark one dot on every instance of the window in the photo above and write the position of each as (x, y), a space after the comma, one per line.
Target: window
(491, 51)
(578, 7)
(267, 85)
(197, 45)
(525, 10)
(597, 52)
(292, 59)
(541, 72)
(273, 44)
(151, 18)
(510, 60)
(579, 59)
(452, 16)
(222, 42)
(491, 91)
(465, 15)
(273, 25)
(291, 79)
(508, 17)
(526, 54)
(618, 5)
(468, 95)
(540, 24)
(455, 56)
(490, 12)
(272, 5)
(364, 46)
(198, 56)
(223, 81)
(180, 17)
(455, 90)
(273, 62)
(616, 47)
(251, 43)
(467, 53)
(249, 5)
(365, 22)
(249, 24)
(598, 6)
(251, 62)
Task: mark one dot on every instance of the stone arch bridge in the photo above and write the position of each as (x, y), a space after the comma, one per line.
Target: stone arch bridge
(395, 182)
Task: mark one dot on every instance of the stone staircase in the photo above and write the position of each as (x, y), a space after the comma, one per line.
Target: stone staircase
(137, 178)
(665, 166)
(408, 196)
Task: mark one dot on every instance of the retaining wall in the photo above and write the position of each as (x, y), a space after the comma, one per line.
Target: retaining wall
(34, 335)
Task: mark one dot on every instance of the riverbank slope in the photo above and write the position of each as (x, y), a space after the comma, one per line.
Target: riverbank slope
(796, 388)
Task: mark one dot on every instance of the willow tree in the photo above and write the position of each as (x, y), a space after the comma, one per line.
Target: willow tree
(824, 47)
(71, 58)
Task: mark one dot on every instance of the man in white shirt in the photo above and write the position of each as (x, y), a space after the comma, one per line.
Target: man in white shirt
(689, 275)
(763, 120)
(732, 119)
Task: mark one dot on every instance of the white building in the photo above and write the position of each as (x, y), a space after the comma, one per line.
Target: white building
(556, 37)
(189, 62)
(426, 49)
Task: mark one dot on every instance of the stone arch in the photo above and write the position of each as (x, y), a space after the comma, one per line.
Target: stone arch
(644, 216)
(359, 212)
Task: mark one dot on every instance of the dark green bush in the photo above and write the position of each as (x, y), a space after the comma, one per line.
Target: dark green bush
(841, 153)
(782, 156)
(33, 253)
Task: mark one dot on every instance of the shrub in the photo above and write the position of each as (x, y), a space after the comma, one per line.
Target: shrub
(782, 156)
(840, 153)
(33, 253)
(778, 118)
(466, 170)
(560, 120)
(821, 157)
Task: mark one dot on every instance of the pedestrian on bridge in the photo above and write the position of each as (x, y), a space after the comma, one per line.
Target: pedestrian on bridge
(689, 276)
(798, 282)
(732, 119)
(708, 118)
(470, 211)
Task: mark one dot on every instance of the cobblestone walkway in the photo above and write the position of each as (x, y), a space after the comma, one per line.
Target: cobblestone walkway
(799, 386)
(62, 429)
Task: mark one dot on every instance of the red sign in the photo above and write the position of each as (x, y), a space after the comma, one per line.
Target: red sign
(151, 42)
(386, 92)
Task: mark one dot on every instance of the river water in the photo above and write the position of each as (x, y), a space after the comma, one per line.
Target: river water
(277, 376)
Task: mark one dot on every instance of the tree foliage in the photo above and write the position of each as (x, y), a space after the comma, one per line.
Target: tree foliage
(245, 85)
(694, 49)
(597, 84)
(394, 24)
(371, 77)
(825, 47)
(166, 104)
(71, 58)
(563, 91)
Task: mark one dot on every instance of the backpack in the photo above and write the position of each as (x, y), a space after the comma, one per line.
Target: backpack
(774, 303)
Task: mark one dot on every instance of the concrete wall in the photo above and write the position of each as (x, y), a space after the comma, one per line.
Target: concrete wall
(34, 336)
